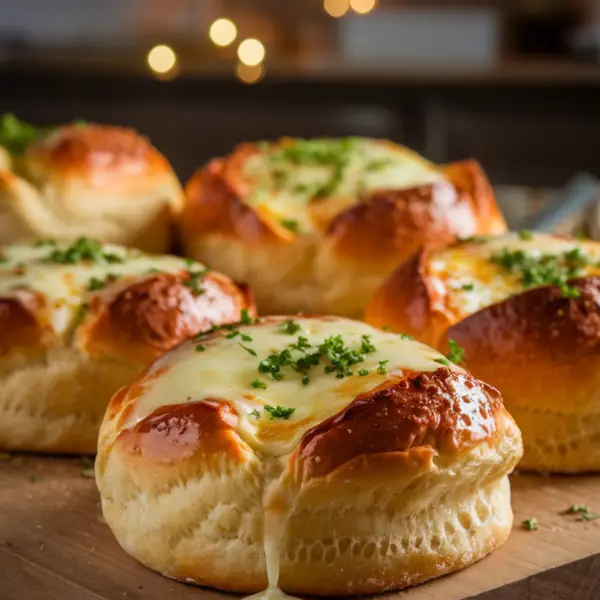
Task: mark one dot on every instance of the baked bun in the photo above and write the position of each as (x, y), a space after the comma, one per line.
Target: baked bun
(316, 225)
(318, 454)
(78, 322)
(526, 309)
(91, 180)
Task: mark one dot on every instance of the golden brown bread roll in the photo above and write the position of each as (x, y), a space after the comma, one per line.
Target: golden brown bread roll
(79, 321)
(316, 225)
(317, 454)
(526, 309)
(91, 180)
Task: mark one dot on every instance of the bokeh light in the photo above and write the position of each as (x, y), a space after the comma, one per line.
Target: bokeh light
(249, 73)
(362, 7)
(251, 52)
(162, 59)
(222, 32)
(336, 8)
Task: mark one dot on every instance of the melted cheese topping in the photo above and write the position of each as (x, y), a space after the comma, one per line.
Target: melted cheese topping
(27, 268)
(284, 186)
(225, 371)
(472, 281)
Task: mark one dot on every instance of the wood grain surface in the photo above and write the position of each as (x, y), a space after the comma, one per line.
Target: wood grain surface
(54, 544)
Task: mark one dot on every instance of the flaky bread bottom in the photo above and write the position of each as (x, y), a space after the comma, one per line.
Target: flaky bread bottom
(364, 528)
(54, 401)
(304, 275)
(557, 440)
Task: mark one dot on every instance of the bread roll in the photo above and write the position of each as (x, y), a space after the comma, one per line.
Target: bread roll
(319, 455)
(316, 225)
(89, 180)
(524, 329)
(80, 321)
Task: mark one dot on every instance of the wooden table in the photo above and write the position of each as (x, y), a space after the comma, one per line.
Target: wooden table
(54, 544)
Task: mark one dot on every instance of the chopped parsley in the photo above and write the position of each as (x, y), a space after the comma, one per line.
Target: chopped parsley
(530, 524)
(279, 412)
(381, 367)
(456, 353)
(442, 361)
(84, 249)
(255, 413)
(259, 385)
(99, 284)
(363, 372)
(305, 380)
(248, 350)
(194, 281)
(467, 287)
(365, 345)
(526, 234)
(547, 269)
(200, 348)
(291, 225)
(246, 319)
(16, 135)
(290, 327)
(582, 511)
(404, 336)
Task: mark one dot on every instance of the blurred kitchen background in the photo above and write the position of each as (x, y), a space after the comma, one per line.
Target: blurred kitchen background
(513, 83)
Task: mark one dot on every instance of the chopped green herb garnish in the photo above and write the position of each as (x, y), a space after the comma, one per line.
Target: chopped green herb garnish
(16, 135)
(246, 319)
(255, 414)
(386, 328)
(381, 367)
(547, 269)
(305, 380)
(99, 284)
(290, 327)
(363, 372)
(366, 346)
(194, 280)
(587, 516)
(530, 524)
(526, 234)
(467, 287)
(84, 249)
(279, 412)
(442, 361)
(233, 334)
(576, 509)
(200, 348)
(404, 336)
(248, 350)
(259, 385)
(291, 225)
(245, 337)
(456, 353)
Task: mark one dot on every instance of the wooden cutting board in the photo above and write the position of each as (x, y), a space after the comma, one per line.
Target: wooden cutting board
(54, 544)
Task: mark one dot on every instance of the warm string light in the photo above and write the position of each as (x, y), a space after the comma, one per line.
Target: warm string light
(251, 52)
(336, 8)
(222, 32)
(362, 7)
(162, 59)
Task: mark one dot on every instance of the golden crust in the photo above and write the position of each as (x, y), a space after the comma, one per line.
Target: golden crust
(54, 387)
(406, 483)
(353, 249)
(537, 347)
(98, 181)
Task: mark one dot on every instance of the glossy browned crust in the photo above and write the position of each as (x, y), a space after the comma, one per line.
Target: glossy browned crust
(387, 227)
(154, 315)
(214, 205)
(19, 327)
(408, 302)
(182, 431)
(92, 149)
(540, 348)
(422, 411)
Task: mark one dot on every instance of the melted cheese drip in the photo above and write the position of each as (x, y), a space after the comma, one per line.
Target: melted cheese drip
(65, 286)
(372, 165)
(469, 265)
(225, 370)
